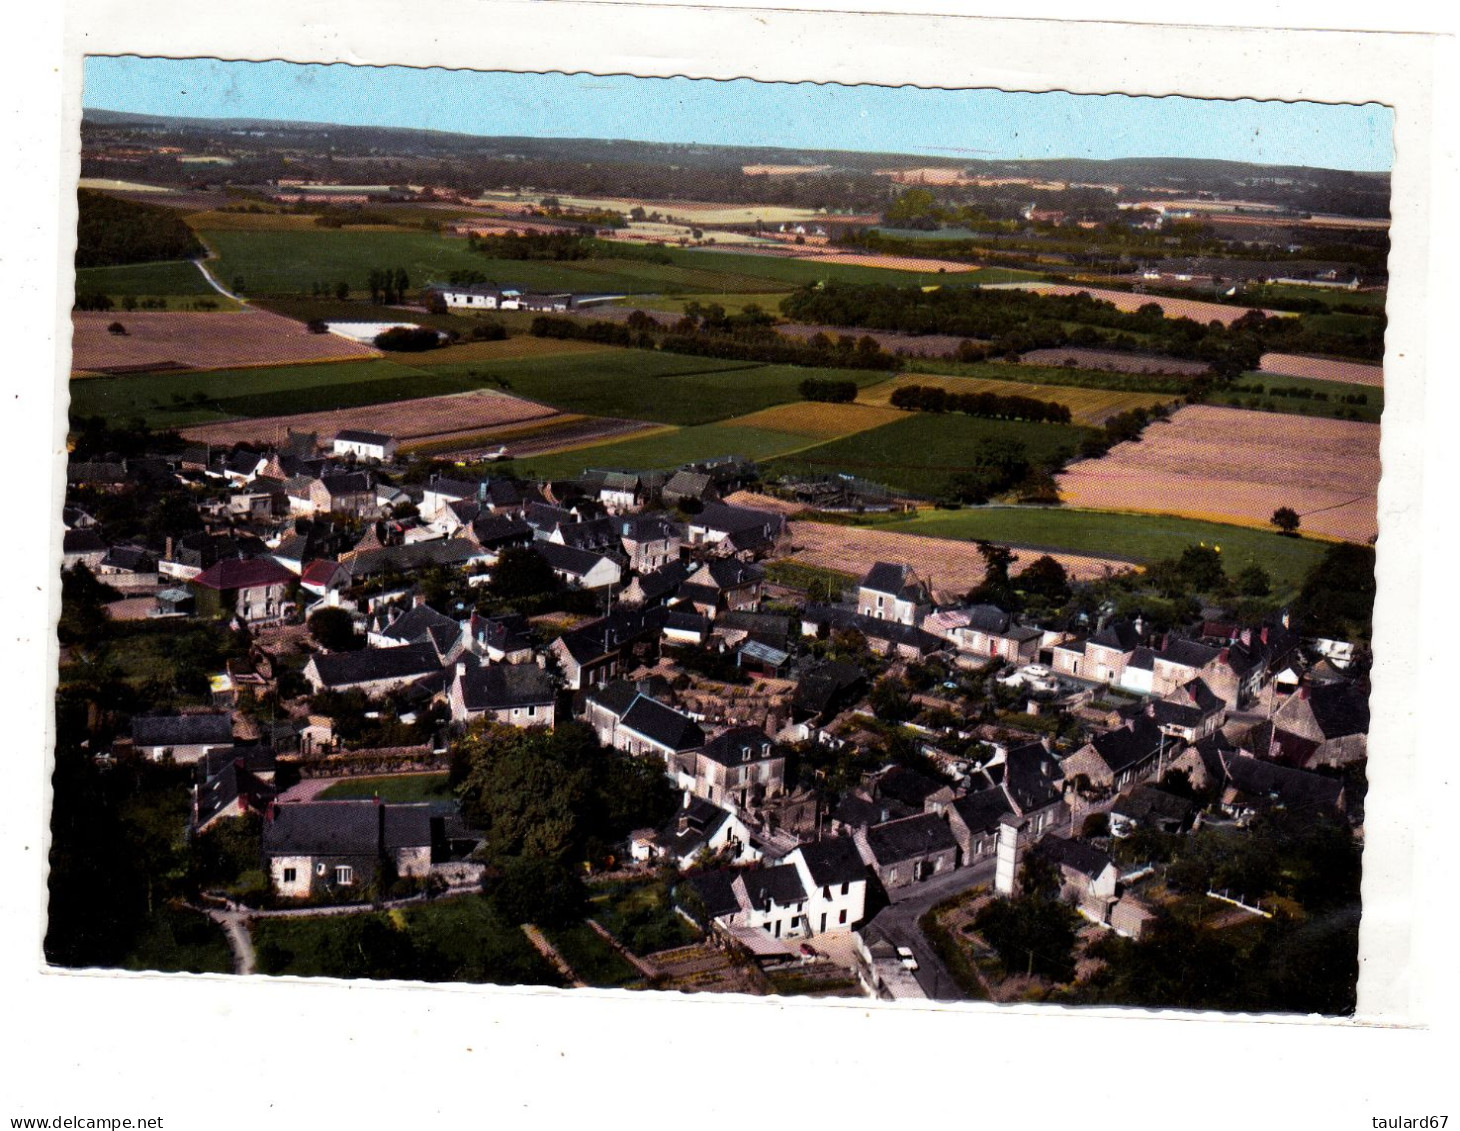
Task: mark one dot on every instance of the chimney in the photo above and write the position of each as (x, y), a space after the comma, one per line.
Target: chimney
(1303, 691)
(1264, 634)
(167, 552)
(1224, 655)
(1247, 637)
(417, 600)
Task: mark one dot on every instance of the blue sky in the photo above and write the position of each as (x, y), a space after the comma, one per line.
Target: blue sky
(979, 124)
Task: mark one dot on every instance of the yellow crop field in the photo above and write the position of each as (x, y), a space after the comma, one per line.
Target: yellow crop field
(817, 420)
(1087, 406)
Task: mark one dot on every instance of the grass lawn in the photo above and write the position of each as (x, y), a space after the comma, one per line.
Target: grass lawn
(591, 957)
(175, 940)
(1088, 406)
(1138, 537)
(641, 915)
(449, 940)
(922, 451)
(391, 787)
(170, 277)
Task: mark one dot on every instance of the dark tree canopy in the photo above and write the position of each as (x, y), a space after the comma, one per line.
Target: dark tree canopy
(110, 232)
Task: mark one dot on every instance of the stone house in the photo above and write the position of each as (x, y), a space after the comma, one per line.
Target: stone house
(344, 850)
(519, 695)
(1335, 716)
(183, 738)
(908, 850)
(374, 671)
(1088, 877)
(739, 768)
(893, 592)
(1118, 758)
(256, 591)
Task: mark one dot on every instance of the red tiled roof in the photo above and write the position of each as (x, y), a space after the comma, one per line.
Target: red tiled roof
(243, 573)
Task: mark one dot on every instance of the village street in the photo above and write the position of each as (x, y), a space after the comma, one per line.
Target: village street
(899, 921)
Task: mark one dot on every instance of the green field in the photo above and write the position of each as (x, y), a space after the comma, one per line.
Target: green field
(1277, 292)
(1137, 537)
(641, 915)
(1243, 395)
(665, 388)
(173, 277)
(392, 787)
(168, 400)
(921, 452)
(292, 262)
(449, 940)
(665, 450)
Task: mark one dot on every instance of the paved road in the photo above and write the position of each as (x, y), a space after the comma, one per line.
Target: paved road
(900, 923)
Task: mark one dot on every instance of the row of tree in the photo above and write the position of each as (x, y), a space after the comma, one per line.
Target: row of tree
(387, 284)
(934, 398)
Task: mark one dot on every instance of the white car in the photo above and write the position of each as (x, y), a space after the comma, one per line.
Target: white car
(905, 954)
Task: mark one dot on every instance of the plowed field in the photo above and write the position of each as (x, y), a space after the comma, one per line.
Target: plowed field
(1231, 465)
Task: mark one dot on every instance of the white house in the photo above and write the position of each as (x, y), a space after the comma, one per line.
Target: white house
(480, 296)
(364, 445)
(834, 878)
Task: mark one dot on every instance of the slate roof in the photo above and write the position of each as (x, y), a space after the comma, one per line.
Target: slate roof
(242, 573)
(1118, 634)
(420, 624)
(1078, 855)
(780, 885)
(716, 891)
(894, 632)
(663, 581)
(834, 860)
(1339, 709)
(323, 828)
(1125, 746)
(901, 783)
(821, 685)
(231, 781)
(86, 541)
(1146, 803)
(589, 534)
(693, 827)
(495, 687)
(687, 484)
(497, 530)
(1187, 706)
(407, 826)
(990, 619)
(662, 725)
(1295, 789)
(648, 528)
(736, 520)
(569, 559)
(133, 559)
(1032, 776)
(344, 669)
(729, 748)
(909, 838)
(1188, 653)
(983, 810)
(683, 621)
(895, 579)
(727, 573)
(182, 730)
(405, 559)
(361, 436)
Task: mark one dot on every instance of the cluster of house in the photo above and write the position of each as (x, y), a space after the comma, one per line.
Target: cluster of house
(1252, 713)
